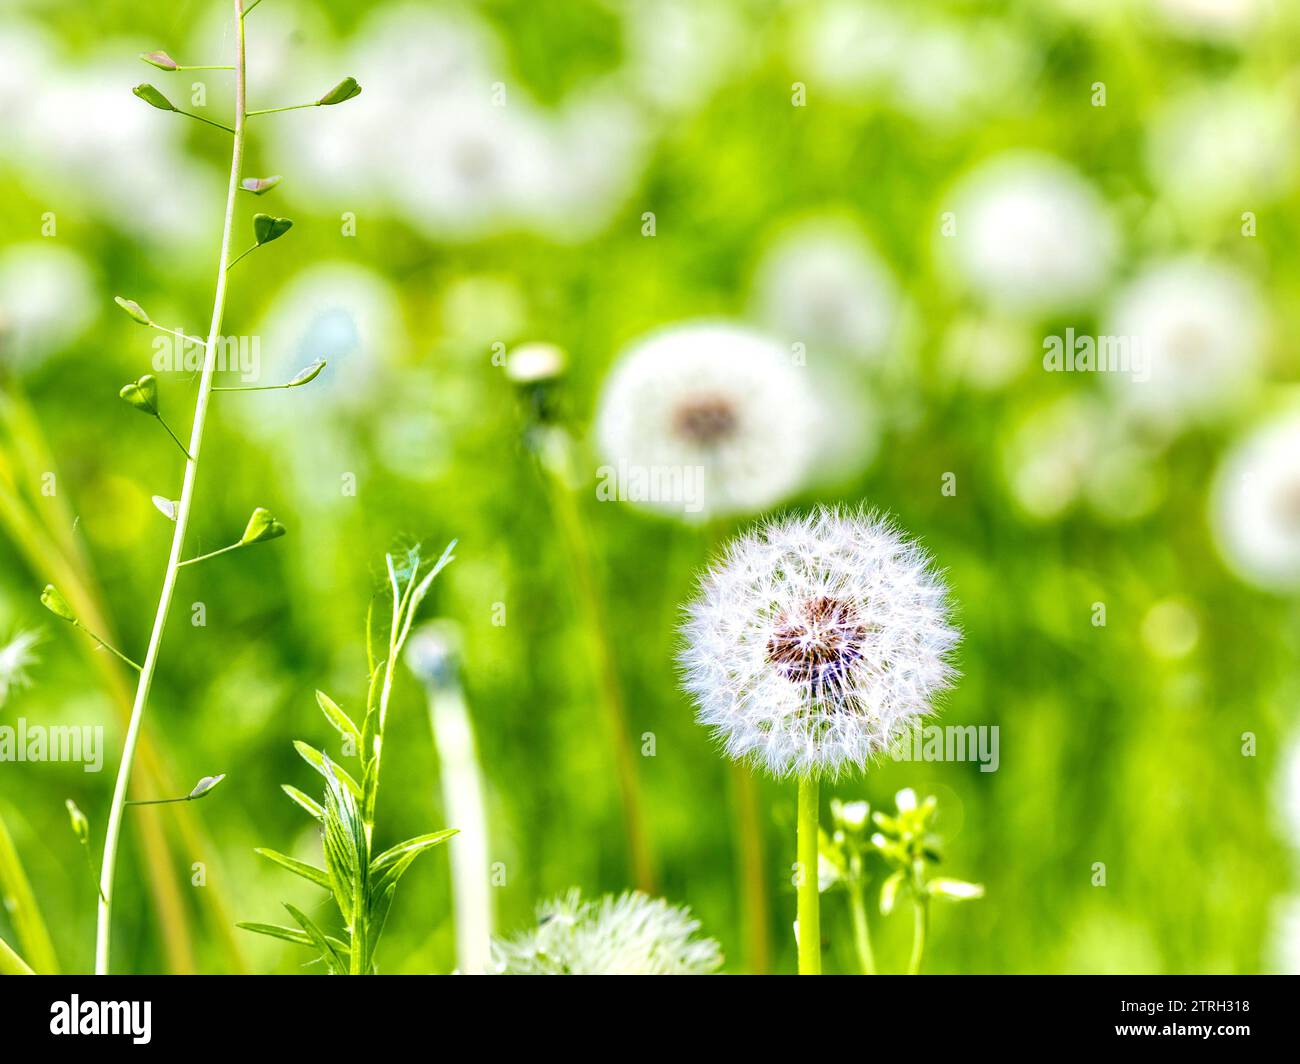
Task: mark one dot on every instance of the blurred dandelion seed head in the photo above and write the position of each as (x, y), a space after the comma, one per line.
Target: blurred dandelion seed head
(17, 656)
(1255, 510)
(631, 934)
(717, 397)
(816, 641)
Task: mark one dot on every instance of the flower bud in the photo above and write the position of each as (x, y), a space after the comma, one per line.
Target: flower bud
(307, 374)
(205, 784)
(80, 825)
(134, 309)
(260, 185)
(161, 60)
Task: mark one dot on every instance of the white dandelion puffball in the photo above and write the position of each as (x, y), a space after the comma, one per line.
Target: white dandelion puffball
(1256, 507)
(824, 285)
(816, 642)
(16, 657)
(1199, 328)
(707, 418)
(47, 299)
(632, 934)
(1031, 236)
(1224, 147)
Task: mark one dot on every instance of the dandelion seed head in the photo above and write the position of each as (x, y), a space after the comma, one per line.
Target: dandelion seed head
(16, 657)
(1255, 507)
(816, 641)
(631, 934)
(716, 398)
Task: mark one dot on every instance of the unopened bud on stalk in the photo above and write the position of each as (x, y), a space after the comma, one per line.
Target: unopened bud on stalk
(52, 599)
(161, 60)
(80, 825)
(259, 186)
(344, 90)
(152, 96)
(134, 309)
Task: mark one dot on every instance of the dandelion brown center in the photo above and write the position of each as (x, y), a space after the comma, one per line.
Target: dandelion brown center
(706, 420)
(818, 643)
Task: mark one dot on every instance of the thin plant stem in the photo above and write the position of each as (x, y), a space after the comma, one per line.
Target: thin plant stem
(920, 924)
(107, 646)
(237, 258)
(861, 929)
(227, 67)
(809, 899)
(277, 110)
(173, 435)
(103, 930)
(191, 114)
(753, 880)
(211, 554)
(179, 334)
(611, 700)
(462, 796)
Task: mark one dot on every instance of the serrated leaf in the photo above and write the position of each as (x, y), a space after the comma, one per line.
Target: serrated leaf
(267, 227)
(316, 759)
(310, 804)
(299, 868)
(340, 720)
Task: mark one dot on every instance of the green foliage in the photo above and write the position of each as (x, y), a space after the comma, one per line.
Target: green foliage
(361, 882)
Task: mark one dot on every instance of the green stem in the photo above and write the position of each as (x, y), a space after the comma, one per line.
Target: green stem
(108, 868)
(210, 554)
(236, 259)
(205, 68)
(173, 436)
(920, 924)
(107, 646)
(20, 906)
(191, 114)
(611, 701)
(809, 899)
(277, 110)
(861, 929)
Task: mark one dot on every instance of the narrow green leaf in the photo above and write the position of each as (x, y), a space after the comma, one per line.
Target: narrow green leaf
(310, 804)
(299, 868)
(288, 934)
(340, 720)
(316, 759)
(411, 847)
(334, 958)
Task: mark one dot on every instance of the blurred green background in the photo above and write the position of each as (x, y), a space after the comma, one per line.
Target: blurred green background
(1120, 744)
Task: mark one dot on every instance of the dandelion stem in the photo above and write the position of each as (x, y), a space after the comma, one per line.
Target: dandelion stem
(753, 881)
(611, 701)
(861, 929)
(809, 900)
(103, 930)
(920, 924)
(107, 646)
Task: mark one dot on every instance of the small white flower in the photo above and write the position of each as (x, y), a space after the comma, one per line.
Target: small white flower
(1256, 506)
(16, 657)
(1199, 327)
(711, 402)
(824, 285)
(632, 934)
(816, 641)
(1032, 236)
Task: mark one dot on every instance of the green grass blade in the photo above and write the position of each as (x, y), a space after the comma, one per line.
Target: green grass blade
(24, 913)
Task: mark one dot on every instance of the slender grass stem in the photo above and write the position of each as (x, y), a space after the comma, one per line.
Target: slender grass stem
(809, 899)
(920, 925)
(11, 963)
(103, 931)
(22, 909)
(861, 929)
(611, 700)
(752, 875)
